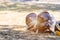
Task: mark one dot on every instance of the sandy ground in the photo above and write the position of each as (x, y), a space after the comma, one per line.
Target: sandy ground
(18, 18)
(9, 32)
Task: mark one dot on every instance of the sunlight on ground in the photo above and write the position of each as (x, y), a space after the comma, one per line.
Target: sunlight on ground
(18, 18)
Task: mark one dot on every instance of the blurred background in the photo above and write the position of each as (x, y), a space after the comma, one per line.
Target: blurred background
(14, 12)
(13, 15)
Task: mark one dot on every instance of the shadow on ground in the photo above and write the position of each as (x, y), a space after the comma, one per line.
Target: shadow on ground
(19, 35)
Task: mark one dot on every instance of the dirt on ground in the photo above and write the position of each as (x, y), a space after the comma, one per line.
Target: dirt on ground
(20, 33)
(26, 35)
